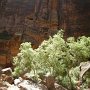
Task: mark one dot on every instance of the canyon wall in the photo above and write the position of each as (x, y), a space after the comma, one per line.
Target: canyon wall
(41, 18)
(35, 20)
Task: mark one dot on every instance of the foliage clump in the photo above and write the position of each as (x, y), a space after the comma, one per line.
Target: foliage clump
(56, 56)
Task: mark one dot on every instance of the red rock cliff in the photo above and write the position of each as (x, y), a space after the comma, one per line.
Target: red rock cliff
(37, 19)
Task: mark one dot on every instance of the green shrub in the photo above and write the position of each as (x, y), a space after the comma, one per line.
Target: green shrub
(55, 56)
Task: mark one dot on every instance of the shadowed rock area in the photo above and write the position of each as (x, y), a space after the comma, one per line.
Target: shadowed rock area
(35, 20)
(41, 18)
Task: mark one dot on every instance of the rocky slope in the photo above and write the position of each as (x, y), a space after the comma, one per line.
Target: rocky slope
(8, 82)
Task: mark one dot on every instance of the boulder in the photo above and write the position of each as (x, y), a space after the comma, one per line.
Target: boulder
(17, 81)
(27, 85)
(7, 71)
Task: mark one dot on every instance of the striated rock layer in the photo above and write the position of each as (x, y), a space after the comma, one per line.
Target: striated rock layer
(35, 20)
(41, 18)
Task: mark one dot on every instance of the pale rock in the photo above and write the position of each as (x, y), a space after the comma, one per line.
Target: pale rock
(12, 87)
(27, 85)
(7, 71)
(17, 81)
(3, 88)
(43, 87)
(59, 87)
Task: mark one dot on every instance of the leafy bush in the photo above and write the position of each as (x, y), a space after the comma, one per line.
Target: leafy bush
(55, 56)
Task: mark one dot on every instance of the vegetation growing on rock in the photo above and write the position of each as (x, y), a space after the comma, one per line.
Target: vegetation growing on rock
(57, 57)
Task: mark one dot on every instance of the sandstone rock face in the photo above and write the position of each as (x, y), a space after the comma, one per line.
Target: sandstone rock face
(38, 19)
(35, 20)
